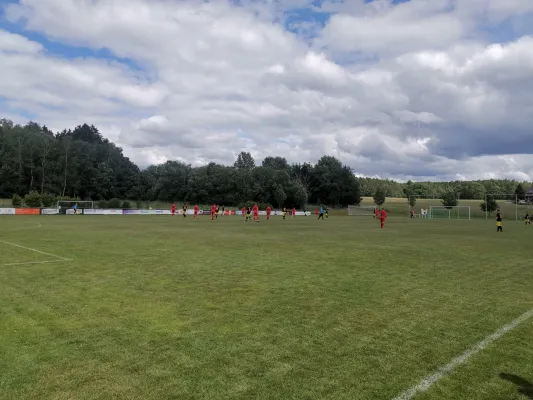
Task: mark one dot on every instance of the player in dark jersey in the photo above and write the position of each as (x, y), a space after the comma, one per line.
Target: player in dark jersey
(499, 220)
(184, 210)
(248, 214)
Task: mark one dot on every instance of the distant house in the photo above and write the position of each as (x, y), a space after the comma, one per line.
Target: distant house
(529, 195)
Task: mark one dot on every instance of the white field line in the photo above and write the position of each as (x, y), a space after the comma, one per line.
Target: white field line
(36, 251)
(37, 262)
(430, 380)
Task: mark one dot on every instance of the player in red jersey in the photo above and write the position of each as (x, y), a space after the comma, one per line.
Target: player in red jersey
(269, 210)
(173, 209)
(243, 211)
(294, 212)
(383, 217)
(196, 210)
(316, 212)
(213, 211)
(255, 210)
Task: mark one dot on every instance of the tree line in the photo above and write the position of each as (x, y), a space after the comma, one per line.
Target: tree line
(80, 163)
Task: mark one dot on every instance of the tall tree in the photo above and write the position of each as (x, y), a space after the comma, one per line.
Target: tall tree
(520, 192)
(449, 199)
(380, 196)
(245, 161)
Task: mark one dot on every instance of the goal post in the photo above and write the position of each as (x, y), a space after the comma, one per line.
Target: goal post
(359, 211)
(447, 212)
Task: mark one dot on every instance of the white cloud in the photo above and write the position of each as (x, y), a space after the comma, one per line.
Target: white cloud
(440, 98)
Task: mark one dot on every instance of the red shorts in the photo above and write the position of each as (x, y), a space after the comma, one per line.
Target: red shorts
(256, 214)
(173, 212)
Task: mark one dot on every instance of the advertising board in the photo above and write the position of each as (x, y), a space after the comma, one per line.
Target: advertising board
(27, 211)
(7, 211)
(49, 211)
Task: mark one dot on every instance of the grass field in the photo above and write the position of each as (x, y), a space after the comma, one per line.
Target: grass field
(152, 307)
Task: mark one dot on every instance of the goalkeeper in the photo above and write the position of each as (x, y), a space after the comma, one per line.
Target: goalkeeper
(528, 219)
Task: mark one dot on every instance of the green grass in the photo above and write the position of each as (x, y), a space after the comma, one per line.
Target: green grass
(152, 307)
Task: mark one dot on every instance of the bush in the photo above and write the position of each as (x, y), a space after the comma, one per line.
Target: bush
(246, 204)
(16, 201)
(32, 199)
(126, 204)
(68, 198)
(48, 200)
(114, 203)
(102, 204)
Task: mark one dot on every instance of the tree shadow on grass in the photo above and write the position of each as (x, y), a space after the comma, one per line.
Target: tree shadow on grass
(524, 387)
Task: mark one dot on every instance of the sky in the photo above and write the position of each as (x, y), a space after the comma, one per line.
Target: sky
(410, 89)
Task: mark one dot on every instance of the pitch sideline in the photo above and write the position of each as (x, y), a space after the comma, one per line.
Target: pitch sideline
(430, 380)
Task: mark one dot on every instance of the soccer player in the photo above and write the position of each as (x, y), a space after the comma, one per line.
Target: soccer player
(528, 219)
(248, 212)
(321, 213)
(383, 217)
(184, 210)
(284, 212)
(412, 212)
(316, 212)
(216, 211)
(173, 209)
(223, 210)
(269, 210)
(499, 220)
(255, 210)
(294, 212)
(326, 212)
(196, 210)
(213, 211)
(243, 210)
(377, 213)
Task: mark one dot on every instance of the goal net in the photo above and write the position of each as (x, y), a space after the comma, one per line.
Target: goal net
(64, 205)
(361, 210)
(456, 212)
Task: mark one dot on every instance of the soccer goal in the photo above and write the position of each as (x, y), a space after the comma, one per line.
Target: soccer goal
(69, 204)
(456, 212)
(361, 210)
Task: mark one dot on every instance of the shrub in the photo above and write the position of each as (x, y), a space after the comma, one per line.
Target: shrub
(126, 204)
(246, 204)
(32, 199)
(48, 200)
(114, 203)
(102, 204)
(16, 200)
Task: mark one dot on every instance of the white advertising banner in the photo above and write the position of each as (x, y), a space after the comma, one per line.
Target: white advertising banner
(89, 211)
(7, 211)
(49, 211)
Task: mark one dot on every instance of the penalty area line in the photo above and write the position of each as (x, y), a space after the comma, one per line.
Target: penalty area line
(35, 250)
(430, 380)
